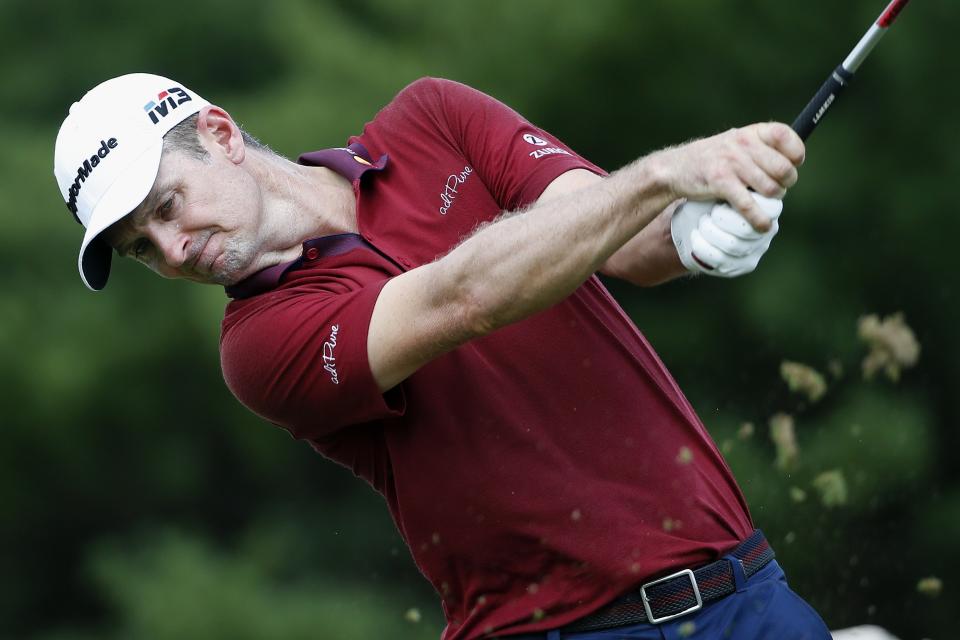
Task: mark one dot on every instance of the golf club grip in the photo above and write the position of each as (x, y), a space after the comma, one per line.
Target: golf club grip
(811, 115)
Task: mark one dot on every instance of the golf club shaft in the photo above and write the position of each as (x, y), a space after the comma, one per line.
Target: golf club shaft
(811, 115)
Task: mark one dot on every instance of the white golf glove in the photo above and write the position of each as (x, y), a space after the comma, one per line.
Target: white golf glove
(714, 238)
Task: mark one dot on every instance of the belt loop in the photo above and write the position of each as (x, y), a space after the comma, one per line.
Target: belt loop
(739, 578)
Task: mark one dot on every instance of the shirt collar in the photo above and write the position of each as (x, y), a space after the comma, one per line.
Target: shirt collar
(350, 162)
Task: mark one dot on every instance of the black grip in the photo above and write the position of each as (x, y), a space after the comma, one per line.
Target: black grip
(811, 115)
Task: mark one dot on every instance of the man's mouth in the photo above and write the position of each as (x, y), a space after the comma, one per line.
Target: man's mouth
(200, 261)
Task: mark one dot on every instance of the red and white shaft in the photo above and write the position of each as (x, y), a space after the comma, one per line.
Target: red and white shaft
(873, 35)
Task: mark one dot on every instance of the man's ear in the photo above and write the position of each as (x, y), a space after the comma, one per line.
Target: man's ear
(219, 133)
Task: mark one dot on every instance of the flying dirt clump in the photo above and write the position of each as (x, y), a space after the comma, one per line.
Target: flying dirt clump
(893, 345)
(930, 586)
(803, 379)
(784, 440)
(832, 487)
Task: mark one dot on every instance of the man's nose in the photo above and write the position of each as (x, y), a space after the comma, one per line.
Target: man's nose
(172, 243)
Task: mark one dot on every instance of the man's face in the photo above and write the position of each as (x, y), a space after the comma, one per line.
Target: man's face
(201, 221)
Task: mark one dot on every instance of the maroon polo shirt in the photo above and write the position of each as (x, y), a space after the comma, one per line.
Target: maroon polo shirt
(536, 473)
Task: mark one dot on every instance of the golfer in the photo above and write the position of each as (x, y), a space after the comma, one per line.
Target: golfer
(421, 306)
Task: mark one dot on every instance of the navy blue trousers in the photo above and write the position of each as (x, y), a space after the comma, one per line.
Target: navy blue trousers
(763, 608)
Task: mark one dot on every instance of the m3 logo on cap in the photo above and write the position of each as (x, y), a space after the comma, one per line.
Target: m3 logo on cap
(165, 102)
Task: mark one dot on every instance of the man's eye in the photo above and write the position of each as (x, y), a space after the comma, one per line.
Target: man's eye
(140, 248)
(165, 208)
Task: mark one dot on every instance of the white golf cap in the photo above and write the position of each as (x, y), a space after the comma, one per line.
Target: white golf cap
(108, 153)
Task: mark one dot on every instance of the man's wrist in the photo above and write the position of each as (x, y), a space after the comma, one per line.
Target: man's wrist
(658, 168)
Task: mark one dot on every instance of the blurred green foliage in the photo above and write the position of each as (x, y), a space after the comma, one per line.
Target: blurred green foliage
(140, 501)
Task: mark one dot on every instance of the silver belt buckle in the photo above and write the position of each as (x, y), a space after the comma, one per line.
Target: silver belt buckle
(646, 601)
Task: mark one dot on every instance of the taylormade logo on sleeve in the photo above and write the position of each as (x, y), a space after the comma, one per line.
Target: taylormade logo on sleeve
(85, 169)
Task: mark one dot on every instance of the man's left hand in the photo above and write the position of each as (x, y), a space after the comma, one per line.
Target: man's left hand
(714, 238)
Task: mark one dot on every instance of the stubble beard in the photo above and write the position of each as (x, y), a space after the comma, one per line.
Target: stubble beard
(235, 262)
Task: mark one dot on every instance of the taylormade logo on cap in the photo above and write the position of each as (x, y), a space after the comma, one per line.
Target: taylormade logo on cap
(108, 153)
(86, 169)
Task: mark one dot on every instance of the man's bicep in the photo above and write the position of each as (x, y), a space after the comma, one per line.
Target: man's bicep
(299, 357)
(415, 319)
(514, 158)
(568, 182)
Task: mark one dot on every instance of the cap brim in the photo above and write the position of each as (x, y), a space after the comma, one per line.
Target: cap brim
(122, 197)
(95, 262)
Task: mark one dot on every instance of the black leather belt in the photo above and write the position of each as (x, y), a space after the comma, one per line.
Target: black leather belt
(677, 594)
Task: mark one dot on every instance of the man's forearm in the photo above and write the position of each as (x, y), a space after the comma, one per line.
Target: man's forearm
(523, 264)
(650, 257)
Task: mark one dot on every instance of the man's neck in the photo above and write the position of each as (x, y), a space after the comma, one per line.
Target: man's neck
(301, 202)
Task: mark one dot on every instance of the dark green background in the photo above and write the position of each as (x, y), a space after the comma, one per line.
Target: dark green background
(139, 500)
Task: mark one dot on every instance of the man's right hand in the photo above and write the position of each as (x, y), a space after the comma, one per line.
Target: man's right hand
(761, 157)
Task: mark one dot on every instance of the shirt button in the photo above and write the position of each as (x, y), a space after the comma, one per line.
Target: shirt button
(312, 253)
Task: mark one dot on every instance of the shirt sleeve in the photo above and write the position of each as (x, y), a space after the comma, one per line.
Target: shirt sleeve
(298, 358)
(515, 159)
